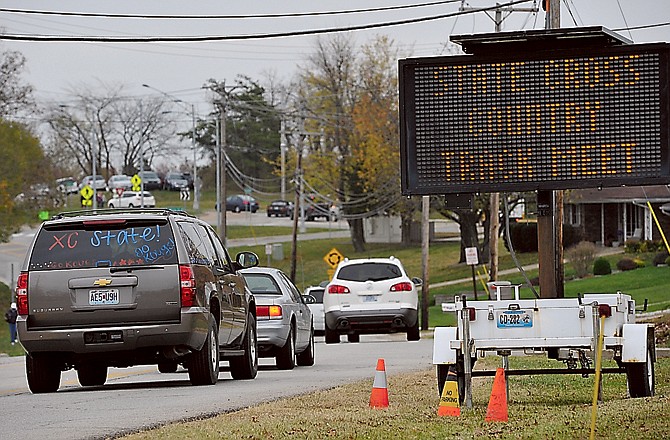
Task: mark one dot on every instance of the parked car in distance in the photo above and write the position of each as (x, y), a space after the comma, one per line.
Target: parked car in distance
(313, 297)
(133, 288)
(241, 202)
(119, 181)
(314, 210)
(175, 181)
(150, 180)
(100, 183)
(280, 208)
(371, 295)
(67, 185)
(285, 328)
(132, 199)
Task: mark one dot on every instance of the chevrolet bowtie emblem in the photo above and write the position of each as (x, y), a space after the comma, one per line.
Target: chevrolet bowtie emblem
(102, 282)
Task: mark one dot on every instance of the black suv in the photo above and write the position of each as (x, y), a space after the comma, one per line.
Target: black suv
(126, 287)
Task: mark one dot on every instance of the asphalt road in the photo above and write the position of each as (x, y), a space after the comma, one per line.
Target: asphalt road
(141, 397)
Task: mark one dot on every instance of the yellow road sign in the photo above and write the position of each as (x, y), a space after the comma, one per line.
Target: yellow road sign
(333, 258)
(86, 192)
(136, 180)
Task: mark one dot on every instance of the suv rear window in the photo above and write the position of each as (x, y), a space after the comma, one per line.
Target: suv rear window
(369, 272)
(84, 245)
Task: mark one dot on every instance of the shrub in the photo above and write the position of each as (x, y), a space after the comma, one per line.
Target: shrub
(601, 266)
(639, 262)
(667, 261)
(626, 264)
(660, 258)
(632, 246)
(581, 257)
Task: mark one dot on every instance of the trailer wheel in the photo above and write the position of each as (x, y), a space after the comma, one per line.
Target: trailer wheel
(443, 371)
(640, 377)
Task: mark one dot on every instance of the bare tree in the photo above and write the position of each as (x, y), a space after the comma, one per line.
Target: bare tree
(15, 95)
(109, 128)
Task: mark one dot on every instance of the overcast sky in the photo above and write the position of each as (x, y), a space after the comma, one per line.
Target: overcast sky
(56, 68)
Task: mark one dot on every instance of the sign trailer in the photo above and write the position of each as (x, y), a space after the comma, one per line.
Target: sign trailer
(539, 110)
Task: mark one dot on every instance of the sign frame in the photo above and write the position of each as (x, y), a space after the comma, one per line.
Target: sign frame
(414, 184)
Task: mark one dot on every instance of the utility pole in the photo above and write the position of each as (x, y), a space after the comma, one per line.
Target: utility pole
(425, 247)
(282, 150)
(550, 210)
(494, 199)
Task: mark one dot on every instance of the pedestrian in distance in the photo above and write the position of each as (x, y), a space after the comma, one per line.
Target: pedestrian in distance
(10, 317)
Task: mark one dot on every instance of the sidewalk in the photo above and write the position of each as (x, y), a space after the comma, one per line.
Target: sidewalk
(601, 251)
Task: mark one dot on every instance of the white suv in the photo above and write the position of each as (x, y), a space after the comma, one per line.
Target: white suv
(371, 295)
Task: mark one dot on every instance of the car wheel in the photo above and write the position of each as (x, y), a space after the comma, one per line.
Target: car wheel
(130, 205)
(43, 373)
(92, 374)
(167, 366)
(306, 358)
(111, 205)
(246, 366)
(203, 367)
(236, 209)
(354, 337)
(413, 332)
(332, 337)
(286, 355)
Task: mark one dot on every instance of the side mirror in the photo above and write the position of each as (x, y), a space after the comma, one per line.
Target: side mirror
(417, 281)
(247, 259)
(308, 299)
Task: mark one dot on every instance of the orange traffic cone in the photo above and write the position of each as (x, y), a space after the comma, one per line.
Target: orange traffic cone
(449, 402)
(497, 410)
(380, 396)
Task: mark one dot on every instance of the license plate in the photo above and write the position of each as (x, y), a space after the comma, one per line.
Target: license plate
(103, 297)
(370, 298)
(514, 319)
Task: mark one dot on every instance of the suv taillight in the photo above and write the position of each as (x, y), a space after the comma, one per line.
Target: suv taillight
(22, 293)
(187, 283)
(271, 312)
(401, 287)
(336, 288)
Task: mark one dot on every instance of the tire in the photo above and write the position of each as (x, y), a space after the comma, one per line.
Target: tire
(640, 377)
(306, 358)
(168, 366)
(91, 375)
(130, 205)
(286, 354)
(43, 373)
(111, 205)
(203, 367)
(237, 209)
(332, 337)
(246, 366)
(413, 332)
(354, 337)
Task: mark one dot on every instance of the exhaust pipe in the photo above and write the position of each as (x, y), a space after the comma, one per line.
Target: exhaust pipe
(344, 323)
(398, 322)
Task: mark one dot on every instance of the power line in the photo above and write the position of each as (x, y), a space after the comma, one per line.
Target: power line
(203, 38)
(219, 17)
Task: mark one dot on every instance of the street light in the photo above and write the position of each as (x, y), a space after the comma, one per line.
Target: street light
(196, 195)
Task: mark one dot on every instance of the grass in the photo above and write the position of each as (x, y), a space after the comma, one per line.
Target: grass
(549, 406)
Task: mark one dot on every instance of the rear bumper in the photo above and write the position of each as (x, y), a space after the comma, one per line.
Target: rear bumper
(190, 333)
(371, 321)
(271, 334)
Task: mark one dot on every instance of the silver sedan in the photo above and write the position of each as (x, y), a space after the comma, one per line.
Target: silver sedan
(285, 325)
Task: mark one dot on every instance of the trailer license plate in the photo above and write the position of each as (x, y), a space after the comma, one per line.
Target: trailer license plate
(514, 318)
(103, 297)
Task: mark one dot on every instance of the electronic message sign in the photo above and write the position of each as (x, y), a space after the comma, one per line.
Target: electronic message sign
(517, 121)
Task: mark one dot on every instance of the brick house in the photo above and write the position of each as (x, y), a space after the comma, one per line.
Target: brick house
(610, 216)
